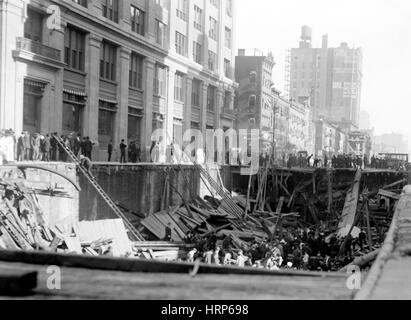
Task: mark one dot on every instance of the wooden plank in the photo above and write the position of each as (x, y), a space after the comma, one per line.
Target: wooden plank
(180, 224)
(402, 181)
(367, 217)
(351, 202)
(138, 265)
(389, 194)
(154, 226)
(279, 213)
(165, 219)
(54, 244)
(7, 239)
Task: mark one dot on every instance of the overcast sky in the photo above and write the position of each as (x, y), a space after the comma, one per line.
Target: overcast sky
(382, 28)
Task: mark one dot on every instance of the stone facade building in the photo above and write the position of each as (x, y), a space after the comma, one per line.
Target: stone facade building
(292, 126)
(113, 70)
(329, 139)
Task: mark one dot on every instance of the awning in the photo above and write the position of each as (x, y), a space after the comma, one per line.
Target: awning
(75, 92)
(108, 100)
(34, 83)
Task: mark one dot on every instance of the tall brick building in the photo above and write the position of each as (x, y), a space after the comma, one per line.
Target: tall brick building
(330, 77)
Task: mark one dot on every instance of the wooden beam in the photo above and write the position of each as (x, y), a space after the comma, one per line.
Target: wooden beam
(279, 213)
(389, 194)
(363, 260)
(367, 219)
(351, 201)
(137, 265)
(248, 193)
(330, 191)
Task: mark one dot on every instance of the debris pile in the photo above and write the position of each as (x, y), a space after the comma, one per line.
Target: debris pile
(22, 222)
(308, 220)
(24, 226)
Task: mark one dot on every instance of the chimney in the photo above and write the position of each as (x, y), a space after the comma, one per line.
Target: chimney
(241, 52)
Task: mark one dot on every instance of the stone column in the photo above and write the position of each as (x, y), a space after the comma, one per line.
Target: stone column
(12, 72)
(92, 67)
(169, 120)
(121, 124)
(188, 103)
(205, 17)
(203, 124)
(55, 121)
(147, 123)
(218, 107)
(172, 27)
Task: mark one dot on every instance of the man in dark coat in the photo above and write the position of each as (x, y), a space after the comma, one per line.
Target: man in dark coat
(88, 148)
(138, 152)
(110, 150)
(54, 147)
(123, 148)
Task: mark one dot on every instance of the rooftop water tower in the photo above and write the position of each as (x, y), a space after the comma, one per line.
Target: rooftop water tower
(306, 37)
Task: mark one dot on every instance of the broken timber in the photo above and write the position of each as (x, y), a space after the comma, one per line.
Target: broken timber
(351, 202)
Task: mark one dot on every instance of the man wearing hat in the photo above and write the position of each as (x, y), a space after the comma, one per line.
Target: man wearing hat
(20, 148)
(35, 145)
(26, 146)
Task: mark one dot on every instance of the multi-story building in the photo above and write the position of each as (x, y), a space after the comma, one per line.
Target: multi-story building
(114, 70)
(254, 96)
(292, 126)
(329, 139)
(330, 77)
(390, 143)
(360, 144)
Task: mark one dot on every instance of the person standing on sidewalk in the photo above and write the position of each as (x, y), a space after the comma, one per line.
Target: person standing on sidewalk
(110, 150)
(123, 148)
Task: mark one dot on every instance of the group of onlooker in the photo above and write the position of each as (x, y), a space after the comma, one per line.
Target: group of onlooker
(336, 161)
(298, 248)
(45, 147)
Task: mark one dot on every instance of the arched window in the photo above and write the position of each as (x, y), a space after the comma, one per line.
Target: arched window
(252, 100)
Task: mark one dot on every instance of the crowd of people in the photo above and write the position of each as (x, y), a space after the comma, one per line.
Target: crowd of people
(299, 249)
(130, 153)
(336, 161)
(45, 147)
(340, 161)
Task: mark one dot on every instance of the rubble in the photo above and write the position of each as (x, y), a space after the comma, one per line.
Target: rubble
(307, 206)
(305, 202)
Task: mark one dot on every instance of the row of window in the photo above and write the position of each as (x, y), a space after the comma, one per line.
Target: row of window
(107, 110)
(75, 40)
(110, 8)
(181, 49)
(179, 93)
(182, 10)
